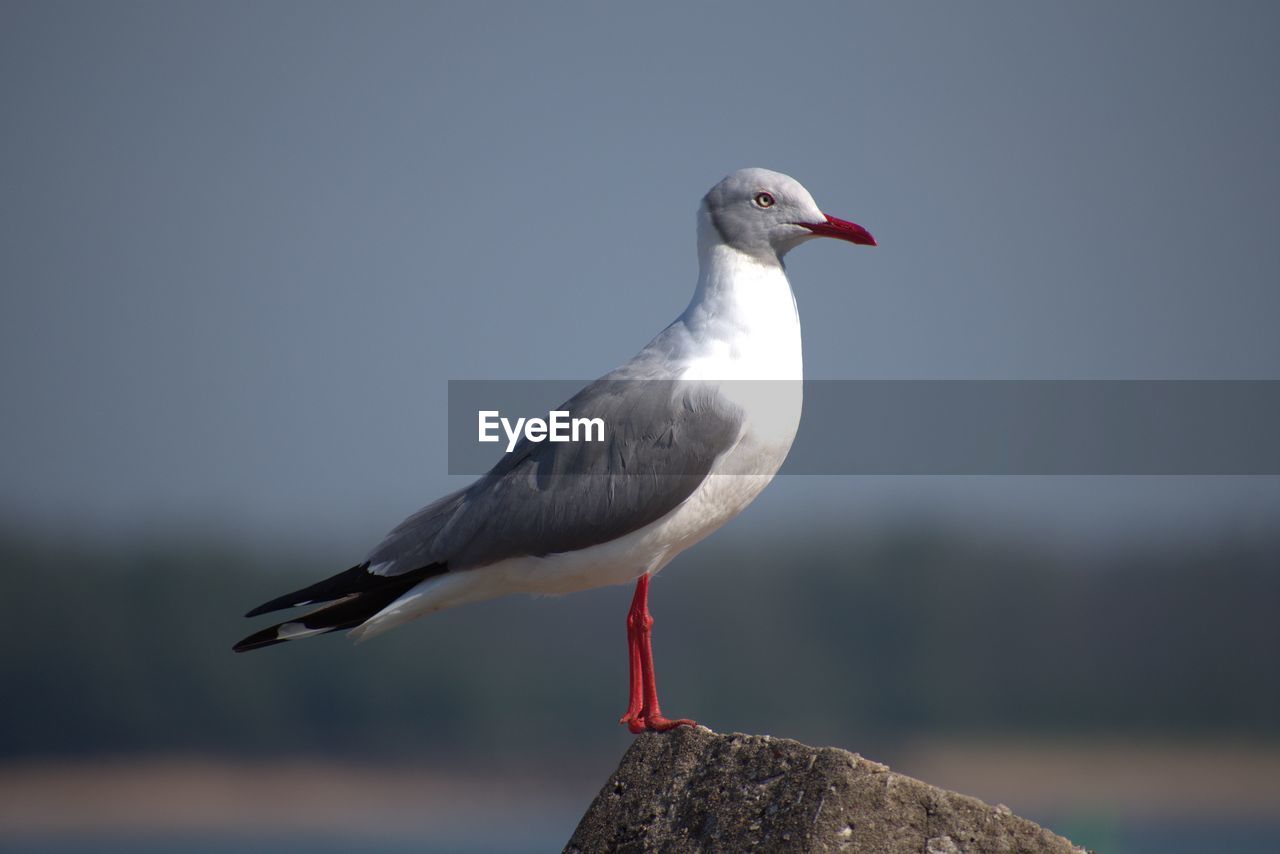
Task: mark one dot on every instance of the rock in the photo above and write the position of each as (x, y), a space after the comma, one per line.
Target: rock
(695, 790)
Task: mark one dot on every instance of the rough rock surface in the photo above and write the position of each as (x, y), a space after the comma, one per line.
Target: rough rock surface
(695, 790)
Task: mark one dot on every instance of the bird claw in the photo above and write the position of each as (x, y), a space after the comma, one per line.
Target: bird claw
(638, 723)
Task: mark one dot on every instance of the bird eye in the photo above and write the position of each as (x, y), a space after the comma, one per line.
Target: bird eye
(764, 200)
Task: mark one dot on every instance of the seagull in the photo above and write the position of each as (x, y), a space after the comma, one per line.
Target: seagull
(699, 422)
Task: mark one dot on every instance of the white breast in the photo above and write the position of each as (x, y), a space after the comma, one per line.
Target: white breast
(745, 336)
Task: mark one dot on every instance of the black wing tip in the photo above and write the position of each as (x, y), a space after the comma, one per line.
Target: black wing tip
(331, 588)
(353, 596)
(258, 640)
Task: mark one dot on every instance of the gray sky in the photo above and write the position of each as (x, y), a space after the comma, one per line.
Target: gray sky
(244, 245)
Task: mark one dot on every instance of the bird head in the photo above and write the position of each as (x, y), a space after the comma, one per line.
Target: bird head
(767, 214)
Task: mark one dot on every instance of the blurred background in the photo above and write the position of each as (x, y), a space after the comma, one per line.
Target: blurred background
(245, 246)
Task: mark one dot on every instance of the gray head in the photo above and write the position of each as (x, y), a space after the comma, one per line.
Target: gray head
(766, 214)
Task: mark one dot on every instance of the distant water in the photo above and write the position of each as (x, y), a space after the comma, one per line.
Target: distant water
(1218, 837)
(271, 844)
(1222, 837)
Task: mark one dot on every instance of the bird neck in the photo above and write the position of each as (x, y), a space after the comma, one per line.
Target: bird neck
(742, 321)
(737, 291)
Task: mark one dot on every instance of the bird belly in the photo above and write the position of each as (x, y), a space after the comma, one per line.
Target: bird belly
(738, 476)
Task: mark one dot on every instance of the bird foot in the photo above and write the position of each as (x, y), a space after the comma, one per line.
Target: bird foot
(639, 722)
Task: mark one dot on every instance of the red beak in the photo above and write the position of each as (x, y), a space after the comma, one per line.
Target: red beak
(842, 229)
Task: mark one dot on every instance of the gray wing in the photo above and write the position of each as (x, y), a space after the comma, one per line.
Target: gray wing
(661, 439)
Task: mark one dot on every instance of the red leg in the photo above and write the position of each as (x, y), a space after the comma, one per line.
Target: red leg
(643, 712)
(635, 700)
